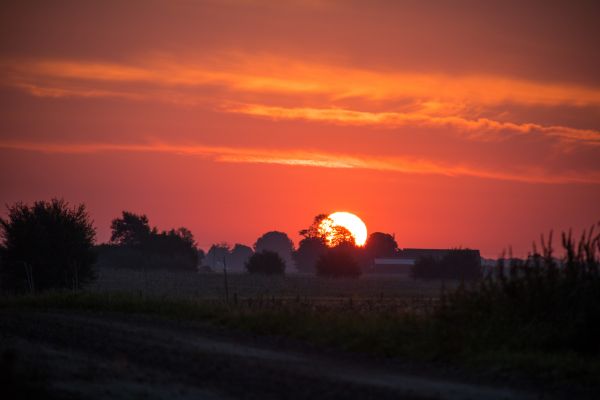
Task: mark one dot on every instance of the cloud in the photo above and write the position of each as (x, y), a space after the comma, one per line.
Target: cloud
(480, 128)
(244, 84)
(316, 159)
(269, 74)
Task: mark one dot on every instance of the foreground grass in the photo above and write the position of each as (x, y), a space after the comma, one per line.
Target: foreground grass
(352, 326)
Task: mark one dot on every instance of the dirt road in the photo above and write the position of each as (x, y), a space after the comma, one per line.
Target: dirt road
(98, 356)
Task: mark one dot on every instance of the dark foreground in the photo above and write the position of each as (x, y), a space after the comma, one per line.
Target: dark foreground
(95, 356)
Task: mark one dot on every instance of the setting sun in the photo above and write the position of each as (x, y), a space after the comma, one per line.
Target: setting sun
(351, 222)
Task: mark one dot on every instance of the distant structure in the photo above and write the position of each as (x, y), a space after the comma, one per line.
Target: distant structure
(392, 265)
(404, 260)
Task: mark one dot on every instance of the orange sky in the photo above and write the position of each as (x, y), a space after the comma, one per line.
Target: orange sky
(459, 123)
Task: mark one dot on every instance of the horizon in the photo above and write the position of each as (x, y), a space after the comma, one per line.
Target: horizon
(455, 124)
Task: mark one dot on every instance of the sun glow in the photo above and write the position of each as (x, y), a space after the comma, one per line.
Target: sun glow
(351, 222)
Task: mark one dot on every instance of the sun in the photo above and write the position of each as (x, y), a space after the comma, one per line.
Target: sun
(347, 220)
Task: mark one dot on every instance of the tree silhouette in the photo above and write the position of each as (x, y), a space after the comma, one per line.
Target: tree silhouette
(318, 237)
(314, 230)
(278, 242)
(217, 255)
(265, 262)
(238, 256)
(381, 244)
(338, 262)
(130, 230)
(46, 246)
(308, 253)
(136, 244)
(324, 228)
(378, 245)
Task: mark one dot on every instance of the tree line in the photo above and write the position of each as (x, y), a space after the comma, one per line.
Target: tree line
(50, 244)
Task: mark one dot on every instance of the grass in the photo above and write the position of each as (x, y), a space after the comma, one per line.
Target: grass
(376, 327)
(539, 320)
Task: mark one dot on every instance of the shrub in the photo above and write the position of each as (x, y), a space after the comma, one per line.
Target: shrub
(265, 262)
(46, 246)
(339, 261)
(462, 264)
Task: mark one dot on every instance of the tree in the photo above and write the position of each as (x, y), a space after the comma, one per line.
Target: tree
(278, 242)
(130, 230)
(134, 243)
(265, 262)
(217, 255)
(318, 237)
(338, 262)
(314, 230)
(175, 248)
(381, 244)
(238, 256)
(324, 228)
(378, 245)
(46, 246)
(310, 249)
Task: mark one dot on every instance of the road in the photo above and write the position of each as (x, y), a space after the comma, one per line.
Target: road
(100, 356)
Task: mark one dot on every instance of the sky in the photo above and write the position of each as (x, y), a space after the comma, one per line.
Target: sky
(447, 123)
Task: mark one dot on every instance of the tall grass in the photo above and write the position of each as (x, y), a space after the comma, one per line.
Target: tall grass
(542, 305)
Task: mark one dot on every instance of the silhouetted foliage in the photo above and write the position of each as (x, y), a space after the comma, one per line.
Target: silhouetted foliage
(238, 256)
(378, 245)
(278, 242)
(200, 255)
(540, 305)
(339, 261)
(220, 255)
(130, 230)
(136, 245)
(174, 244)
(462, 264)
(323, 228)
(318, 240)
(314, 231)
(310, 249)
(46, 246)
(381, 244)
(265, 262)
(217, 256)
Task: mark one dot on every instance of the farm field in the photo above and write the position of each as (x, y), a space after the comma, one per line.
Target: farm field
(306, 287)
(356, 338)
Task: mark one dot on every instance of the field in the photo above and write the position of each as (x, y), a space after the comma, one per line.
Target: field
(307, 287)
(379, 330)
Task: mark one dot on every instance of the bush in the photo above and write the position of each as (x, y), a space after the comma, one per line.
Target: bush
(339, 261)
(462, 264)
(46, 246)
(265, 262)
(543, 304)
